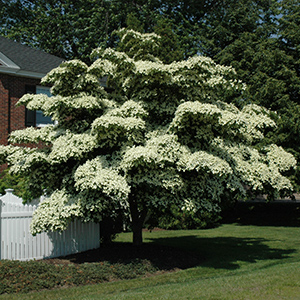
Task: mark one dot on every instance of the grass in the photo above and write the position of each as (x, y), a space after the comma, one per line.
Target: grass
(241, 262)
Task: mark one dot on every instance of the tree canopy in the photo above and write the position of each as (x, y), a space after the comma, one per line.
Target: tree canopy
(159, 134)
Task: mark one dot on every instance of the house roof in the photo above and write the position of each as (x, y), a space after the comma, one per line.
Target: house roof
(22, 60)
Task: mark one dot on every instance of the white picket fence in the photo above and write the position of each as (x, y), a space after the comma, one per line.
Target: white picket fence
(18, 244)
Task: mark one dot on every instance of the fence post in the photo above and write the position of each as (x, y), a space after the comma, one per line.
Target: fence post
(9, 192)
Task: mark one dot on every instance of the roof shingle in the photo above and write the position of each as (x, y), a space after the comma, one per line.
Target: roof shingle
(28, 59)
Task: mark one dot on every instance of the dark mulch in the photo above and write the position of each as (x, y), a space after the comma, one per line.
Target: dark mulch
(162, 257)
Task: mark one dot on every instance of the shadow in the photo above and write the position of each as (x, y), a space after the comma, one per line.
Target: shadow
(285, 214)
(60, 243)
(159, 256)
(228, 252)
(78, 237)
(166, 254)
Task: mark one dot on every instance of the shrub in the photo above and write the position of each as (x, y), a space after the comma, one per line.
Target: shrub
(17, 182)
(175, 218)
(17, 276)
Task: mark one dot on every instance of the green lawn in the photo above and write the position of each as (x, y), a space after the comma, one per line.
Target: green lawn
(241, 262)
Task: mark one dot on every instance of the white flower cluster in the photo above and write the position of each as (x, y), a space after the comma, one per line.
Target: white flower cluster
(110, 129)
(73, 77)
(96, 175)
(203, 161)
(196, 71)
(55, 213)
(154, 163)
(159, 151)
(33, 102)
(71, 145)
(6, 151)
(45, 134)
(131, 34)
(246, 123)
(189, 206)
(80, 101)
(256, 169)
(278, 158)
(24, 159)
(139, 45)
(207, 111)
(130, 108)
(70, 68)
(101, 68)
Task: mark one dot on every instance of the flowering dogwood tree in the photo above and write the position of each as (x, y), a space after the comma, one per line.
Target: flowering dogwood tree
(160, 135)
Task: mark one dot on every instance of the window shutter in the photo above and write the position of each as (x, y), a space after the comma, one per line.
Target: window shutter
(30, 118)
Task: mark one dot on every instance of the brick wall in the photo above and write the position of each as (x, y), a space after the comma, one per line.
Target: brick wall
(12, 88)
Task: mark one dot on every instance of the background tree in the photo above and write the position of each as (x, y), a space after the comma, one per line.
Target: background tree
(260, 41)
(62, 28)
(69, 29)
(161, 136)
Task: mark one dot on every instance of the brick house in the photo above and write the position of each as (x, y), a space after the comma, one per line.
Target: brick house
(21, 70)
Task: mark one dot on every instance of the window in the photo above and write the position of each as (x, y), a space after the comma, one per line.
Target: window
(37, 118)
(40, 119)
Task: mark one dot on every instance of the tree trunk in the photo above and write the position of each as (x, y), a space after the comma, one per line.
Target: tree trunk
(137, 219)
(137, 235)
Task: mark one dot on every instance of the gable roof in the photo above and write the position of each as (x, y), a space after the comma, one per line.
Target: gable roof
(22, 60)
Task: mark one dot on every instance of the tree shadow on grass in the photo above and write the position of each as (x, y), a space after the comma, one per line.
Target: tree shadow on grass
(227, 252)
(168, 254)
